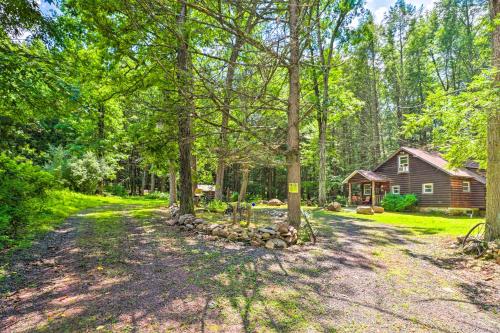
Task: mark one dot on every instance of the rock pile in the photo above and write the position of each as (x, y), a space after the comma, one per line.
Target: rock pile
(277, 236)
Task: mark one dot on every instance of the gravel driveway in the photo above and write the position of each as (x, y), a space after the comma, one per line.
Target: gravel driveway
(122, 269)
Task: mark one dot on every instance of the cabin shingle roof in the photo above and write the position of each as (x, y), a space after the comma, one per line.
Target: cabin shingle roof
(437, 160)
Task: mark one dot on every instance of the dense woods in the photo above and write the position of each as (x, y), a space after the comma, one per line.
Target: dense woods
(121, 97)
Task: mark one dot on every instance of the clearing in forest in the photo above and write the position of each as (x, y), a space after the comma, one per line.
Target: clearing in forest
(120, 268)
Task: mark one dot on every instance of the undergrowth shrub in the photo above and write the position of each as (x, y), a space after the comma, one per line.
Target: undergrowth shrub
(116, 189)
(157, 195)
(399, 203)
(217, 206)
(22, 188)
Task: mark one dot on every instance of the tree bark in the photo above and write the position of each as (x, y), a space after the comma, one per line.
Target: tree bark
(152, 184)
(293, 153)
(244, 183)
(493, 171)
(143, 181)
(226, 109)
(172, 184)
(184, 115)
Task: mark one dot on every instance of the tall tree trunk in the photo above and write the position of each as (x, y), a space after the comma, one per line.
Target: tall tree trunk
(244, 183)
(143, 181)
(152, 184)
(226, 109)
(493, 172)
(172, 184)
(101, 136)
(293, 153)
(162, 184)
(322, 125)
(184, 114)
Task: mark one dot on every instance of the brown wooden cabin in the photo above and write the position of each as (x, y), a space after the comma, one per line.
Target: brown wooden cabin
(425, 174)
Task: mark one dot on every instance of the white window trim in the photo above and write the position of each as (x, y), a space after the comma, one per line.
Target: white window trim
(432, 188)
(396, 186)
(468, 186)
(367, 187)
(407, 166)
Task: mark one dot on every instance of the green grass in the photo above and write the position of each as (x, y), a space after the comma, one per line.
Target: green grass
(418, 223)
(59, 205)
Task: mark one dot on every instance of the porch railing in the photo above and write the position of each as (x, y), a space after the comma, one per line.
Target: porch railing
(362, 199)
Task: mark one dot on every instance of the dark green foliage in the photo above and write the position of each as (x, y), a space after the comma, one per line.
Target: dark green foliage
(341, 200)
(116, 189)
(22, 186)
(399, 203)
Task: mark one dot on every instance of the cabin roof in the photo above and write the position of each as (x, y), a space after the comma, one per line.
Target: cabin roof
(369, 175)
(436, 159)
(206, 188)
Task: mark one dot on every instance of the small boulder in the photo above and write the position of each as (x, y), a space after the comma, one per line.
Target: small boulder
(266, 236)
(366, 210)
(378, 209)
(171, 222)
(334, 207)
(186, 219)
(276, 243)
(282, 227)
(233, 236)
(275, 202)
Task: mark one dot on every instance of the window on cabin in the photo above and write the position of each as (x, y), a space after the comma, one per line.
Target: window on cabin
(466, 186)
(395, 189)
(428, 188)
(403, 163)
(367, 189)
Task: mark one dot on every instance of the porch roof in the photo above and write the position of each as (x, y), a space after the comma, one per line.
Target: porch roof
(368, 175)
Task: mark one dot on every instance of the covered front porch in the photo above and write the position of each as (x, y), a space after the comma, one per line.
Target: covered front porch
(366, 188)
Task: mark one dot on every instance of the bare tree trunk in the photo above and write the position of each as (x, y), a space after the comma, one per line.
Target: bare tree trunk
(322, 161)
(172, 184)
(101, 136)
(226, 109)
(493, 173)
(143, 181)
(162, 184)
(184, 115)
(152, 184)
(244, 183)
(293, 153)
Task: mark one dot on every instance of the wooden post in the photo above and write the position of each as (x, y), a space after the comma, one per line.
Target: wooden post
(373, 193)
(349, 198)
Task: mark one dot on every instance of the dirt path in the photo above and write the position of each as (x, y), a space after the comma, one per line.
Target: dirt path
(119, 269)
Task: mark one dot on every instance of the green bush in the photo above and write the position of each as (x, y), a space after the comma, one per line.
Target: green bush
(80, 173)
(341, 200)
(254, 198)
(217, 206)
(157, 195)
(116, 189)
(399, 203)
(22, 186)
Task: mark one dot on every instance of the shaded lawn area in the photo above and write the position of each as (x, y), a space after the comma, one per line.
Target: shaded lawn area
(59, 205)
(417, 223)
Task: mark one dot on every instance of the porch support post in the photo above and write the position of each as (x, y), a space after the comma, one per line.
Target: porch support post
(349, 201)
(373, 193)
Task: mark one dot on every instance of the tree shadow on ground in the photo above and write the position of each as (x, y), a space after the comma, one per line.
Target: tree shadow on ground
(141, 275)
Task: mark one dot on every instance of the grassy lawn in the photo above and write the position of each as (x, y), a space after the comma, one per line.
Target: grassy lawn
(418, 223)
(59, 205)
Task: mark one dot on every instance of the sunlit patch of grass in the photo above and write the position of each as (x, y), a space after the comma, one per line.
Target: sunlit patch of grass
(417, 223)
(60, 204)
